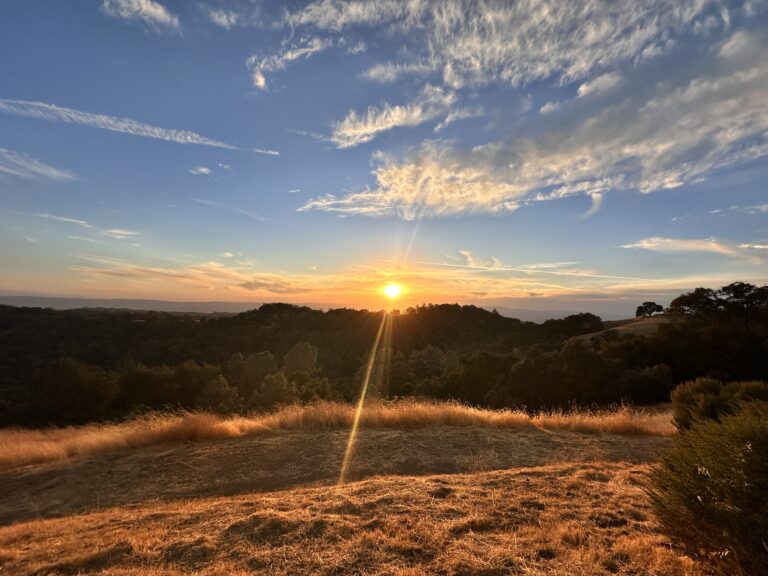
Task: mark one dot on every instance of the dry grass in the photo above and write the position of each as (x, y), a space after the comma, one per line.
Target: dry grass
(571, 519)
(20, 447)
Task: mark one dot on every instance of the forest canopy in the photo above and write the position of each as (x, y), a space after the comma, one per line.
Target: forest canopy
(68, 367)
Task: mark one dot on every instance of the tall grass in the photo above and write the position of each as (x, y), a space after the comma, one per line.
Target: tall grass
(19, 447)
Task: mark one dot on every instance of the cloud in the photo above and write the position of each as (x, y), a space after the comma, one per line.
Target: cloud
(200, 171)
(392, 71)
(656, 139)
(294, 191)
(120, 234)
(150, 12)
(432, 102)
(82, 223)
(259, 66)
(433, 183)
(336, 15)
(224, 18)
(602, 83)
(661, 244)
(53, 113)
(597, 202)
(222, 206)
(550, 107)
(472, 43)
(754, 246)
(266, 151)
(24, 166)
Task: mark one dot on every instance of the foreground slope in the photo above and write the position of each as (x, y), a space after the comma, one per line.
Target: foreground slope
(437, 499)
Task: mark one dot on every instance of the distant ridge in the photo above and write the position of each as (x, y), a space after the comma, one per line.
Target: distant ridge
(219, 307)
(61, 303)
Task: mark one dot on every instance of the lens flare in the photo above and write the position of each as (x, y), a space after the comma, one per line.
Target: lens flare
(361, 401)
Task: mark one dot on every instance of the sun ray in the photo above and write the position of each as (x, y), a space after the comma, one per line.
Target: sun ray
(361, 401)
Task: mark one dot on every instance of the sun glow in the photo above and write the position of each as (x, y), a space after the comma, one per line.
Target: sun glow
(393, 291)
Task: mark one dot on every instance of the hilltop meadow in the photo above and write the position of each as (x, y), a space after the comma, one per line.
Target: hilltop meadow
(444, 440)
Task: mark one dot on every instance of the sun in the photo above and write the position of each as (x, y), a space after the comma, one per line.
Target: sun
(392, 291)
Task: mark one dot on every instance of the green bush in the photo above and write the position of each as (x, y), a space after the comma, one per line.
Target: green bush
(709, 398)
(711, 490)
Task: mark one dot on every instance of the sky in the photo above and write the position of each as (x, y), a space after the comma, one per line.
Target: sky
(582, 155)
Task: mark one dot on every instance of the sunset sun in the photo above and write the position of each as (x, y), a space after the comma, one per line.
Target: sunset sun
(393, 291)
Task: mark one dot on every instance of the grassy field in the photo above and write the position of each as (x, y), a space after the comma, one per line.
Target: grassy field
(20, 447)
(431, 489)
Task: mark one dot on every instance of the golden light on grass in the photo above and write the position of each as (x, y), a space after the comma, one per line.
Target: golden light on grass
(393, 291)
(20, 447)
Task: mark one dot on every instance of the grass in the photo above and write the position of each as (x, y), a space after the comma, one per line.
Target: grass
(21, 447)
(571, 519)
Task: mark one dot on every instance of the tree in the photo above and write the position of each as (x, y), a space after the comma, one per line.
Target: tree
(275, 390)
(74, 392)
(700, 303)
(648, 309)
(219, 396)
(301, 358)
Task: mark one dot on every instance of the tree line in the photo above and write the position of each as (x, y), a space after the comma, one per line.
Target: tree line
(68, 367)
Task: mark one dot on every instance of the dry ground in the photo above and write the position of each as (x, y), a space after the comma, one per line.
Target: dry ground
(441, 499)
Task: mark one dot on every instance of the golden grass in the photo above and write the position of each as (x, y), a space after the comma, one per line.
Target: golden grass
(574, 519)
(20, 447)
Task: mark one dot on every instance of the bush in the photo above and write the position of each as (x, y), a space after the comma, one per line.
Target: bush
(711, 490)
(711, 399)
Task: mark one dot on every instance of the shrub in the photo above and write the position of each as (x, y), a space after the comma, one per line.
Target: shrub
(711, 490)
(710, 398)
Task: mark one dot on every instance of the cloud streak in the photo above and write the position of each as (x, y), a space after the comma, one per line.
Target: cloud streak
(53, 113)
(22, 165)
(661, 244)
(261, 65)
(432, 102)
(227, 207)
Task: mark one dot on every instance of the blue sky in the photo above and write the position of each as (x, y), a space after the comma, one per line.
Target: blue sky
(580, 155)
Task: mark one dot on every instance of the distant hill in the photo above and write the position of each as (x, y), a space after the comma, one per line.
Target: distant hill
(219, 307)
(61, 303)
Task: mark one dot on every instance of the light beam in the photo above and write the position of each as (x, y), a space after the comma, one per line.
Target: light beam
(361, 401)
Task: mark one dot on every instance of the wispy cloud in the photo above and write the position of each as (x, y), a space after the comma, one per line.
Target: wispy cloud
(515, 43)
(222, 206)
(432, 102)
(224, 18)
(266, 151)
(754, 246)
(24, 166)
(200, 171)
(114, 233)
(661, 244)
(392, 71)
(602, 83)
(659, 139)
(151, 13)
(597, 202)
(53, 113)
(261, 65)
(120, 233)
(68, 220)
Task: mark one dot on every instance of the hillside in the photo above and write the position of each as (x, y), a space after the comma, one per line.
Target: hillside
(444, 499)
